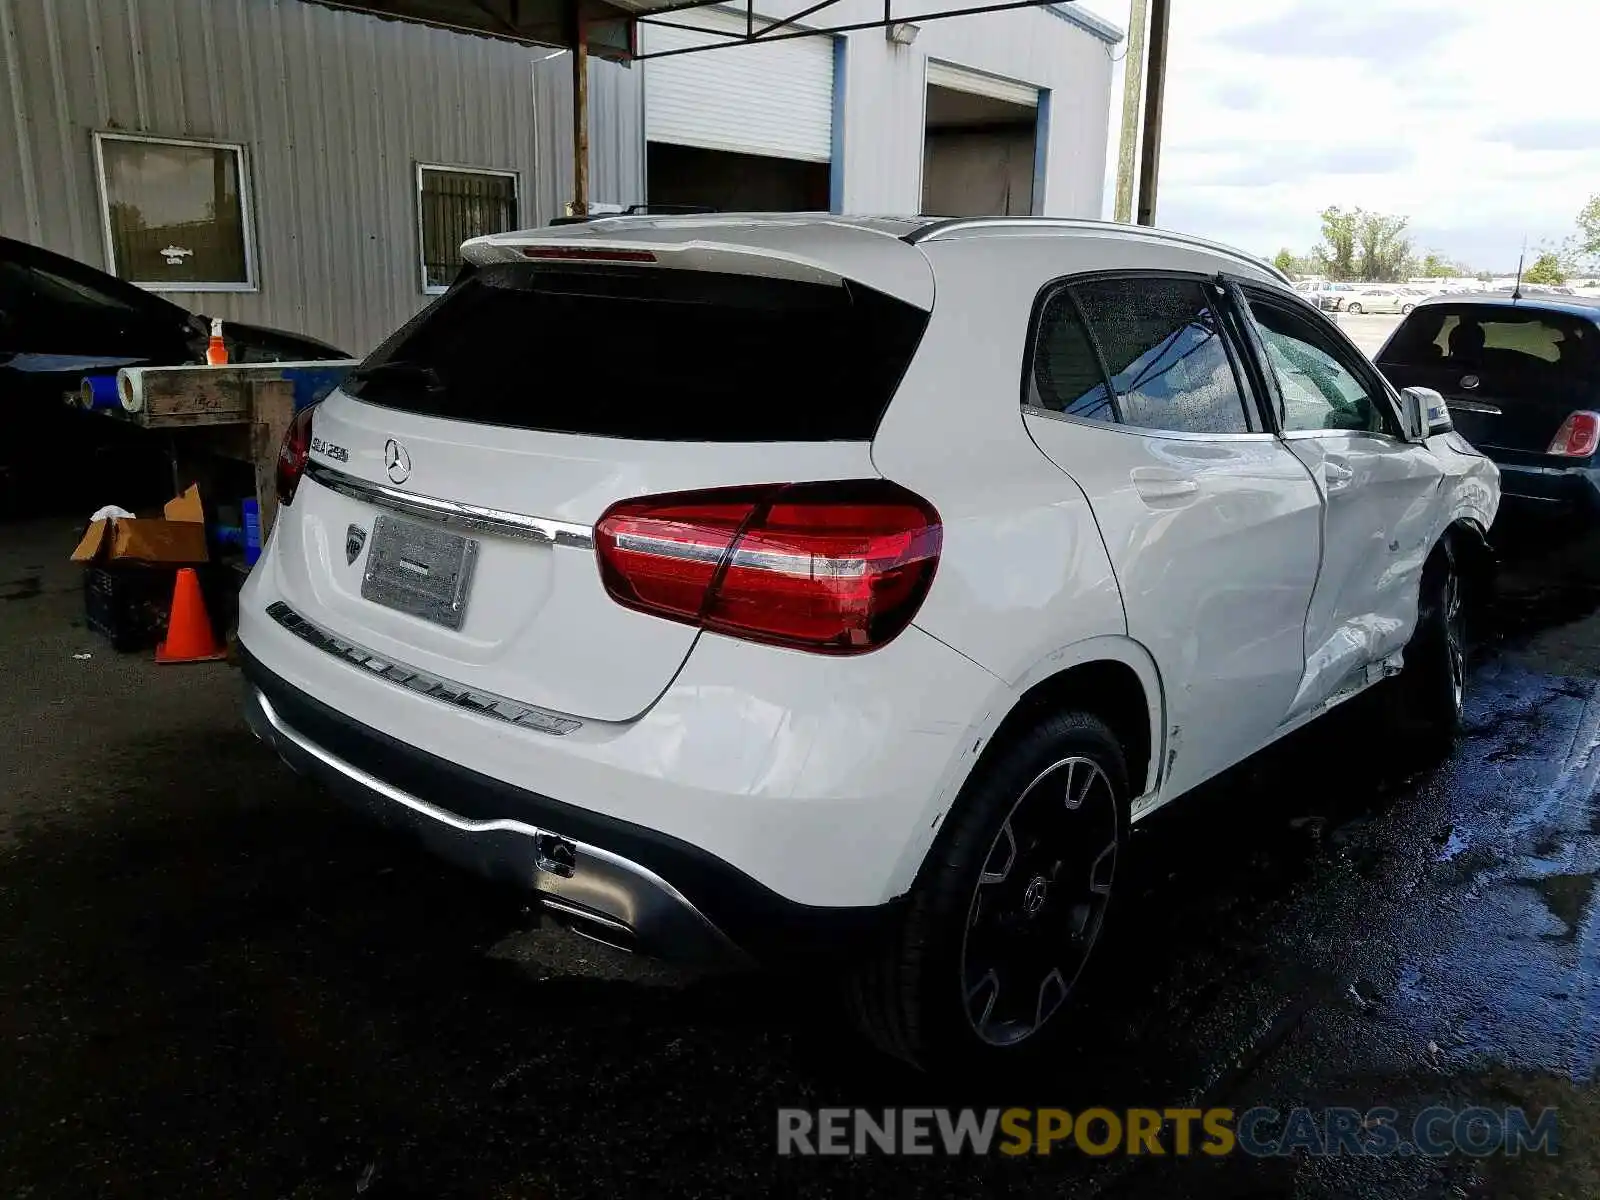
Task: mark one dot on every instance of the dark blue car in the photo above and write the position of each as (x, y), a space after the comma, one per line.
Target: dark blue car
(1521, 375)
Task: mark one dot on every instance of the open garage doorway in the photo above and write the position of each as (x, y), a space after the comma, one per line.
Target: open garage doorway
(981, 146)
(746, 129)
(689, 175)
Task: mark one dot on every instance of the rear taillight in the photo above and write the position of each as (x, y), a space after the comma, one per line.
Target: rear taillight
(1578, 436)
(294, 452)
(838, 568)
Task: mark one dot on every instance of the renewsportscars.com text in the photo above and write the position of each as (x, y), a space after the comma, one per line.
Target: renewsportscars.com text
(1260, 1132)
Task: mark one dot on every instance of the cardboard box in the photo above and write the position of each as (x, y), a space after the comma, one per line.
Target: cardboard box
(178, 536)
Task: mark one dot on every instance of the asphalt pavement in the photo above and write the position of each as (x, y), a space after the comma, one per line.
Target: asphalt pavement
(1367, 330)
(214, 983)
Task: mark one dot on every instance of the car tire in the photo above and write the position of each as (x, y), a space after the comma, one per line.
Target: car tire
(1426, 699)
(1353, 309)
(1007, 907)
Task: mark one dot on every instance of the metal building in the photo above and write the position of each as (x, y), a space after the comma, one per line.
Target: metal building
(314, 166)
(1002, 112)
(310, 161)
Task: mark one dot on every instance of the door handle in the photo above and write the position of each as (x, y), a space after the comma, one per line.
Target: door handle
(1337, 473)
(1158, 485)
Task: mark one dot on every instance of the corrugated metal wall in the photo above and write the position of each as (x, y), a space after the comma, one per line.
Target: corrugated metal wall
(885, 85)
(335, 110)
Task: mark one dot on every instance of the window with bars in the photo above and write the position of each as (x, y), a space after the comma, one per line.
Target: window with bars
(453, 205)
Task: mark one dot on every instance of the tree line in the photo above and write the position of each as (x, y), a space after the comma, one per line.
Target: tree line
(1372, 247)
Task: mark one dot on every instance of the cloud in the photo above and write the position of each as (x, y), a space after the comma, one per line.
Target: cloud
(1240, 95)
(1557, 133)
(1387, 37)
(1292, 162)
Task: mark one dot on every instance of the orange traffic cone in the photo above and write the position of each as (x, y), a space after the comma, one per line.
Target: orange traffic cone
(189, 636)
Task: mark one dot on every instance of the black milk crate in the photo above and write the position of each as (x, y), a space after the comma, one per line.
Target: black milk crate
(128, 604)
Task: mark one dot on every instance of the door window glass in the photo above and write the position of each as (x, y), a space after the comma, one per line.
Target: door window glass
(1319, 391)
(1160, 343)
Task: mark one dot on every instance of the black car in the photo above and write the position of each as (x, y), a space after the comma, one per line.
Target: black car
(1521, 375)
(61, 319)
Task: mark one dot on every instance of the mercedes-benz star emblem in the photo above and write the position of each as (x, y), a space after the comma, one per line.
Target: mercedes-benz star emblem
(354, 538)
(1469, 381)
(396, 461)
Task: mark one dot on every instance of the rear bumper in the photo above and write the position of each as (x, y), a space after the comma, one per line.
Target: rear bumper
(1566, 490)
(616, 882)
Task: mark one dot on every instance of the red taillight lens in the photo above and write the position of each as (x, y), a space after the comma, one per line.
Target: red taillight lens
(834, 567)
(294, 452)
(1578, 436)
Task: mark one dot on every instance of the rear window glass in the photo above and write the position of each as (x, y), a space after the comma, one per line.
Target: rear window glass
(1492, 339)
(650, 353)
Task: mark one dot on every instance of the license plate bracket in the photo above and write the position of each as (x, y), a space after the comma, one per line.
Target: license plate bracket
(419, 569)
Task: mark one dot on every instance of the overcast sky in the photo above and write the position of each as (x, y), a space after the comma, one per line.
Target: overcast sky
(1479, 119)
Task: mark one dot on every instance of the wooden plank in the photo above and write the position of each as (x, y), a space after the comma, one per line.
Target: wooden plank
(195, 398)
(271, 413)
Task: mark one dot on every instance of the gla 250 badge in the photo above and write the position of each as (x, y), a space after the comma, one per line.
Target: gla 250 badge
(329, 450)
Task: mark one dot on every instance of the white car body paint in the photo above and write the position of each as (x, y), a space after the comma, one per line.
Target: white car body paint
(1242, 588)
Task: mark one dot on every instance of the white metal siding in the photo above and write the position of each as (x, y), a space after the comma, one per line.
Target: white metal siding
(334, 110)
(885, 90)
(775, 100)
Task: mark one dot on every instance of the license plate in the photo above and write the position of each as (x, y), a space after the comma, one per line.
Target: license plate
(419, 569)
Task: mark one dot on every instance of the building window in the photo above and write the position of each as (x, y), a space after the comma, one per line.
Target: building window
(176, 213)
(454, 204)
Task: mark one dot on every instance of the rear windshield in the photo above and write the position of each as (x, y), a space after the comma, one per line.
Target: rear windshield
(654, 353)
(1508, 343)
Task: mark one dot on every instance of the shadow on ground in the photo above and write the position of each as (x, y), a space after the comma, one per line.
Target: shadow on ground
(213, 983)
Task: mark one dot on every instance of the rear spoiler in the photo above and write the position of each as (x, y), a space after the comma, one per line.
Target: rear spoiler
(807, 252)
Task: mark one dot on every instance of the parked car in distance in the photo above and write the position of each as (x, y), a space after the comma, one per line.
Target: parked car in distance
(1521, 378)
(1326, 294)
(1377, 298)
(842, 623)
(61, 319)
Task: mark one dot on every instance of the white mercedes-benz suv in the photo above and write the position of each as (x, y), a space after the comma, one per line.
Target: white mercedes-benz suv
(755, 587)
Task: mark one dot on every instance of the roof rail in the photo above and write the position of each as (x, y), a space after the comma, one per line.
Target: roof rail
(937, 229)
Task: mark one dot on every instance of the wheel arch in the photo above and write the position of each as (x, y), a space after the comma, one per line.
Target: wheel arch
(1112, 676)
(1474, 557)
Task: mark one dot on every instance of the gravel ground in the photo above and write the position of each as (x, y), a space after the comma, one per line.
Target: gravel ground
(215, 983)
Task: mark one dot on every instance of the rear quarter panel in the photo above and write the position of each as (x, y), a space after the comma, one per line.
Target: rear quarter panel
(1025, 587)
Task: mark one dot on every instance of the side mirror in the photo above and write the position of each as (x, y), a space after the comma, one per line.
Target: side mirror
(1424, 413)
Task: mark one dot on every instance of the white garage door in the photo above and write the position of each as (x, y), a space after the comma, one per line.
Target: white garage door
(959, 79)
(775, 99)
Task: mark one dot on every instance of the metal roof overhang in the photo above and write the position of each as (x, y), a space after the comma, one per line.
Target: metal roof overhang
(608, 27)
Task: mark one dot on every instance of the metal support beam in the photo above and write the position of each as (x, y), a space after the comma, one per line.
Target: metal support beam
(580, 117)
(1132, 94)
(763, 34)
(1155, 100)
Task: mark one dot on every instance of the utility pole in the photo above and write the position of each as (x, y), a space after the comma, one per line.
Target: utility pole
(1132, 81)
(580, 114)
(1155, 100)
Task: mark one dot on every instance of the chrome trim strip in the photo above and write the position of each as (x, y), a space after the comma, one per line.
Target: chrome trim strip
(1173, 435)
(485, 704)
(587, 914)
(471, 517)
(500, 824)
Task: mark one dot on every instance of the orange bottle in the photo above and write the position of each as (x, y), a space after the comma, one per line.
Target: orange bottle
(216, 352)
